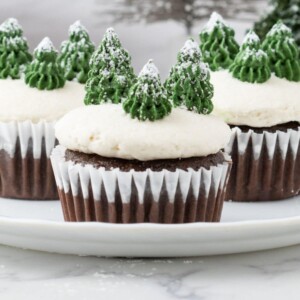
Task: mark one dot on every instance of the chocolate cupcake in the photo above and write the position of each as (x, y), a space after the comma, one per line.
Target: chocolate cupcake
(141, 161)
(259, 98)
(28, 112)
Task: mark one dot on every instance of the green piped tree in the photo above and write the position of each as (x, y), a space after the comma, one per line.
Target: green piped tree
(111, 75)
(251, 64)
(14, 53)
(189, 81)
(283, 52)
(76, 53)
(217, 43)
(147, 99)
(44, 73)
(286, 10)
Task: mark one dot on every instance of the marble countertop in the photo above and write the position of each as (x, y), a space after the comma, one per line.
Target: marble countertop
(264, 275)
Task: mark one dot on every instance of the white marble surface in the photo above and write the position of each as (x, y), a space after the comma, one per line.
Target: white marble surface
(265, 275)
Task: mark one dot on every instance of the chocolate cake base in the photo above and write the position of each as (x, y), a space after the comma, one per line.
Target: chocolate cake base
(27, 178)
(183, 208)
(264, 178)
(98, 161)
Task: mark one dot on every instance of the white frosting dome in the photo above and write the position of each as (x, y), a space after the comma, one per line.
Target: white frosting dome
(274, 102)
(108, 131)
(19, 102)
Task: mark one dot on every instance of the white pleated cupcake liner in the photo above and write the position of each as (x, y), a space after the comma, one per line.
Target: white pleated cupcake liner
(25, 168)
(85, 183)
(258, 158)
(26, 133)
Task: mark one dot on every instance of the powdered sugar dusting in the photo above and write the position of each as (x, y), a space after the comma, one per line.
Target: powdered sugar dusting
(253, 52)
(190, 47)
(150, 70)
(10, 24)
(110, 33)
(251, 38)
(76, 27)
(279, 27)
(45, 46)
(214, 21)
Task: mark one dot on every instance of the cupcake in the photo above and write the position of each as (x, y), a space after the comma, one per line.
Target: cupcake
(30, 104)
(259, 98)
(140, 160)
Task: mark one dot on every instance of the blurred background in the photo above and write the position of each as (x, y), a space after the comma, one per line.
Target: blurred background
(147, 28)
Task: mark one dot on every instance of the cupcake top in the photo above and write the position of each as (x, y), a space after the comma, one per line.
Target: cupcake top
(108, 131)
(19, 102)
(41, 94)
(256, 105)
(262, 86)
(143, 127)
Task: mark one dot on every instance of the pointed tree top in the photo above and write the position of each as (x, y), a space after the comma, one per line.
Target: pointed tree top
(149, 70)
(214, 21)
(45, 46)
(76, 27)
(280, 29)
(11, 27)
(190, 51)
(110, 33)
(251, 40)
(10, 24)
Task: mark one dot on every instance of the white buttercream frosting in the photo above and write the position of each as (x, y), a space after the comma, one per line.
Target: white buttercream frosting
(108, 131)
(274, 102)
(19, 102)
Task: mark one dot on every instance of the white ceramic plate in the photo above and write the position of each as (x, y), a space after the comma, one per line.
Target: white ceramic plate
(245, 227)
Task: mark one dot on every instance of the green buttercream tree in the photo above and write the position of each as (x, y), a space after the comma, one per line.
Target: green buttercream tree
(286, 10)
(76, 53)
(14, 53)
(44, 73)
(189, 81)
(111, 75)
(251, 64)
(147, 99)
(283, 52)
(217, 43)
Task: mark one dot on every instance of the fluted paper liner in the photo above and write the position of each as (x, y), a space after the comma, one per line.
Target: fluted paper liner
(95, 194)
(25, 167)
(266, 166)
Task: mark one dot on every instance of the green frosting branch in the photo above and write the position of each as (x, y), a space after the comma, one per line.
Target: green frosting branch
(283, 52)
(147, 99)
(44, 73)
(76, 53)
(14, 53)
(111, 75)
(217, 43)
(251, 64)
(189, 81)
